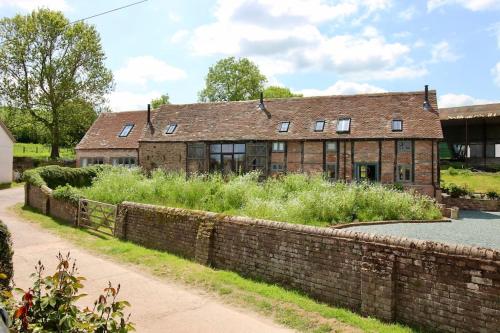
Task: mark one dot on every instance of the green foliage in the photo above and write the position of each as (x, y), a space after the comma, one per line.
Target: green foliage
(6, 266)
(477, 182)
(455, 191)
(232, 79)
(52, 70)
(157, 102)
(294, 198)
(492, 194)
(54, 176)
(49, 305)
(67, 193)
(279, 92)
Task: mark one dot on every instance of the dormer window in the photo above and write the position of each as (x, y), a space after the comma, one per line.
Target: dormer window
(344, 125)
(171, 128)
(397, 125)
(284, 126)
(319, 126)
(126, 130)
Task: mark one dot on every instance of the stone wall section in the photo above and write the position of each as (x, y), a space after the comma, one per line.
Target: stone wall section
(472, 204)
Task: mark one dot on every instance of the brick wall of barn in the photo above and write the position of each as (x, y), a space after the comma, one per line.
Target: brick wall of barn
(170, 156)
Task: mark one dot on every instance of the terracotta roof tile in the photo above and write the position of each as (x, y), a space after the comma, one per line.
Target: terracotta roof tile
(371, 116)
(103, 134)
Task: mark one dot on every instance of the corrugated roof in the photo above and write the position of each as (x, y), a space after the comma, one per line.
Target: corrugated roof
(104, 133)
(371, 116)
(471, 111)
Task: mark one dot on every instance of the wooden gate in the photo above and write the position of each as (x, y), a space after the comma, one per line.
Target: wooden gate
(96, 215)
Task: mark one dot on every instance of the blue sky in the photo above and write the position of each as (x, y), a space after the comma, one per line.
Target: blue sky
(312, 46)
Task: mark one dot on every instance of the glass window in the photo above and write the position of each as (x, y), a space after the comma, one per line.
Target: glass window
(278, 147)
(331, 146)
(331, 171)
(216, 148)
(126, 130)
(239, 148)
(239, 163)
(215, 162)
(397, 125)
(123, 161)
(171, 129)
(366, 171)
(404, 173)
(284, 126)
(83, 162)
(277, 167)
(227, 148)
(319, 126)
(404, 146)
(497, 150)
(344, 125)
(256, 156)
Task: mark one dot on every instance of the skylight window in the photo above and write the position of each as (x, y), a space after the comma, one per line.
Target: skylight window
(397, 125)
(344, 125)
(319, 126)
(284, 126)
(171, 129)
(126, 130)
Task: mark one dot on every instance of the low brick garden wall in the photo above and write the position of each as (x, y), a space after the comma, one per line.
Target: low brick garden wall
(488, 205)
(42, 200)
(434, 286)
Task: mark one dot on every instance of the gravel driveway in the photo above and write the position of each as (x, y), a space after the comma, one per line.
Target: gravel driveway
(473, 228)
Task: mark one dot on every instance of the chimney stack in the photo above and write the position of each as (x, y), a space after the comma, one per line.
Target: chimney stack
(149, 114)
(427, 105)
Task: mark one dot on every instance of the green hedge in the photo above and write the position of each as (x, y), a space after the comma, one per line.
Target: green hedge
(6, 253)
(54, 176)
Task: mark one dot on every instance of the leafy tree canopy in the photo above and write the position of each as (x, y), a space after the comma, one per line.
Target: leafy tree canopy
(157, 102)
(279, 92)
(47, 66)
(232, 79)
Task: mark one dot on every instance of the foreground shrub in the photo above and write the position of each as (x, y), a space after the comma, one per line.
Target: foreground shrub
(54, 175)
(294, 198)
(456, 191)
(492, 194)
(49, 305)
(67, 193)
(6, 267)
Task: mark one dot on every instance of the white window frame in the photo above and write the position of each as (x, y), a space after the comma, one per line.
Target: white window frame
(127, 128)
(397, 121)
(171, 128)
(284, 126)
(319, 126)
(278, 147)
(343, 125)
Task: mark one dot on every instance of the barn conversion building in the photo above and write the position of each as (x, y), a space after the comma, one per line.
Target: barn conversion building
(387, 137)
(472, 135)
(6, 153)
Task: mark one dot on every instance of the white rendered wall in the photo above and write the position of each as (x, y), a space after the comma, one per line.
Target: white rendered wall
(6, 153)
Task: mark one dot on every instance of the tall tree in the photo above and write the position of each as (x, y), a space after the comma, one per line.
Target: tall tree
(279, 92)
(157, 102)
(46, 64)
(232, 79)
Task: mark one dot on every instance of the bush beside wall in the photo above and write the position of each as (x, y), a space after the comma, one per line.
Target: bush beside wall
(53, 176)
(6, 266)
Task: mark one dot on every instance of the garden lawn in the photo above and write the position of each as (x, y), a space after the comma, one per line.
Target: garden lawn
(287, 307)
(35, 150)
(479, 182)
(294, 198)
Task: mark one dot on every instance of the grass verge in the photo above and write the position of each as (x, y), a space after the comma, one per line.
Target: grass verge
(35, 150)
(479, 182)
(5, 186)
(289, 308)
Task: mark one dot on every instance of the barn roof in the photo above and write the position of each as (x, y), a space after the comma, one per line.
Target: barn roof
(471, 111)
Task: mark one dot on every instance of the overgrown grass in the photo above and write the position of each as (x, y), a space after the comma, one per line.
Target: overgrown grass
(294, 198)
(479, 182)
(36, 150)
(287, 307)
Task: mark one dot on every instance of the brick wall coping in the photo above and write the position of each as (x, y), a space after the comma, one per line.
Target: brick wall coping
(421, 245)
(359, 224)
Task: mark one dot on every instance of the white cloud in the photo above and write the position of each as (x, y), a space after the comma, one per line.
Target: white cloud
(140, 70)
(443, 52)
(283, 37)
(473, 5)
(495, 71)
(408, 13)
(452, 100)
(343, 88)
(29, 5)
(126, 100)
(179, 36)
